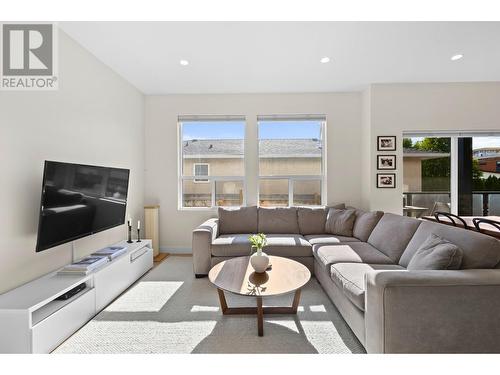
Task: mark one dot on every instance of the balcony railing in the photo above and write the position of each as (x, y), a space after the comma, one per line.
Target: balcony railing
(484, 203)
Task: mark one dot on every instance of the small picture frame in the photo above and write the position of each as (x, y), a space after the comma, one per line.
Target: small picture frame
(386, 143)
(386, 162)
(386, 180)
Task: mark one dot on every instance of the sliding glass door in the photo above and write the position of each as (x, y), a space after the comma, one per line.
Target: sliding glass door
(485, 176)
(458, 173)
(426, 175)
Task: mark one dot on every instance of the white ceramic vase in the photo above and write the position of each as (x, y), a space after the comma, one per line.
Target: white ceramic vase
(259, 261)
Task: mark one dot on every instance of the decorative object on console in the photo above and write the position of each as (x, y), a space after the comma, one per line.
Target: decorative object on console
(138, 231)
(129, 223)
(386, 143)
(84, 266)
(386, 162)
(111, 252)
(259, 260)
(386, 180)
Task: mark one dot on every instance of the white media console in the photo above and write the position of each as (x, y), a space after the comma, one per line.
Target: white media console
(32, 320)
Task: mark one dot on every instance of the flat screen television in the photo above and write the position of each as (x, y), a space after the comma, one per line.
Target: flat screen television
(79, 200)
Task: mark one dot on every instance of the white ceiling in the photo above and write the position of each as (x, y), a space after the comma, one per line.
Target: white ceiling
(247, 57)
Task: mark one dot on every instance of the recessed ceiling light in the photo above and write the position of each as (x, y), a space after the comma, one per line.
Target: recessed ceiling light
(324, 60)
(456, 57)
(184, 62)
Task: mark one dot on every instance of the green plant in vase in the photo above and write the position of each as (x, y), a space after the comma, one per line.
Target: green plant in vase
(259, 260)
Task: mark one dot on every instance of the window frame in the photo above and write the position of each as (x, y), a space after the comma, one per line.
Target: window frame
(292, 178)
(211, 179)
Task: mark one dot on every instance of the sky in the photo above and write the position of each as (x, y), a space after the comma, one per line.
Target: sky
(236, 130)
(477, 142)
(280, 130)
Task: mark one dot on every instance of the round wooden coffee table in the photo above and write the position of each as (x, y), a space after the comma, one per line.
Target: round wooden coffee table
(237, 276)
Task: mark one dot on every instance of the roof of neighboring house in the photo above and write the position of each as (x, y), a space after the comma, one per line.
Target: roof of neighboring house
(428, 154)
(268, 148)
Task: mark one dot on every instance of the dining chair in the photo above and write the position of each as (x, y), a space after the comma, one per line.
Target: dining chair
(453, 219)
(477, 221)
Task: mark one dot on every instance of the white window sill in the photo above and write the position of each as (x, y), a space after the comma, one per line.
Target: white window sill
(205, 209)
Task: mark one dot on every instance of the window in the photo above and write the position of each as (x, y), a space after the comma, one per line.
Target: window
(456, 173)
(201, 170)
(212, 164)
(291, 168)
(485, 174)
(426, 175)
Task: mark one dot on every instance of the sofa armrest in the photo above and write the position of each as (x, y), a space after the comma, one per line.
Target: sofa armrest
(202, 239)
(433, 311)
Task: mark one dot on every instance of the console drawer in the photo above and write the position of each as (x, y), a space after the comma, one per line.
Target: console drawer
(53, 330)
(111, 281)
(141, 263)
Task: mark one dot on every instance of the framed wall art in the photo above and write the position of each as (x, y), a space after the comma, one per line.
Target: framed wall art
(386, 180)
(386, 143)
(386, 162)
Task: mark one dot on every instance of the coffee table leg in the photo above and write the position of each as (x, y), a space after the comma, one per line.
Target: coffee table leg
(222, 300)
(296, 299)
(259, 310)
(260, 317)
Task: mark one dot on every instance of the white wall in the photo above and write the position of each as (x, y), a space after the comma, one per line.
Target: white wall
(95, 117)
(343, 111)
(366, 156)
(395, 108)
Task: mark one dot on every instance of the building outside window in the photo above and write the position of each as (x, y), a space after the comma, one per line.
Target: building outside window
(291, 160)
(212, 161)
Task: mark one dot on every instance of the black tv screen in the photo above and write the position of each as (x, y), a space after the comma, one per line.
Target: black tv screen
(79, 200)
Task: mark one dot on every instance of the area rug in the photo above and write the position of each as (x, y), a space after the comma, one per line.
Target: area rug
(170, 311)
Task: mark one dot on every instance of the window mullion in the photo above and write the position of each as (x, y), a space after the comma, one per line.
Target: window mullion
(454, 175)
(212, 188)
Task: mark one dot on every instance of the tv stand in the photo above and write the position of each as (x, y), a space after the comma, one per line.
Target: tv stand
(34, 320)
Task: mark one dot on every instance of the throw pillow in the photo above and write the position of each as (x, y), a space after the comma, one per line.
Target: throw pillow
(364, 224)
(436, 253)
(239, 220)
(278, 220)
(340, 222)
(312, 220)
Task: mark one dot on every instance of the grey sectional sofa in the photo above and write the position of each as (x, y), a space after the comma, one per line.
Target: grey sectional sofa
(389, 308)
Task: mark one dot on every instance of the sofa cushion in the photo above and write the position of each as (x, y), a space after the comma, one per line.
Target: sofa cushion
(278, 220)
(287, 245)
(350, 278)
(340, 222)
(239, 220)
(436, 253)
(311, 220)
(365, 223)
(354, 252)
(478, 250)
(392, 234)
(328, 239)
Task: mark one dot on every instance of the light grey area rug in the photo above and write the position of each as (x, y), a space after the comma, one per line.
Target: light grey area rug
(169, 311)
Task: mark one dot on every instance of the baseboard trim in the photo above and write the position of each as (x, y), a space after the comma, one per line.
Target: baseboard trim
(175, 250)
